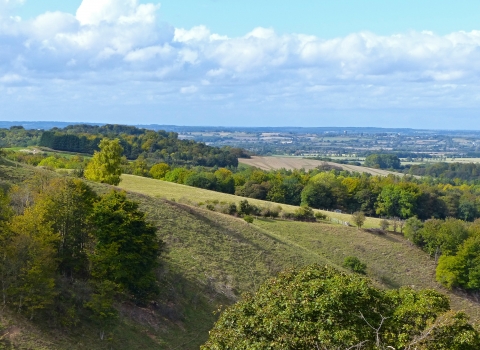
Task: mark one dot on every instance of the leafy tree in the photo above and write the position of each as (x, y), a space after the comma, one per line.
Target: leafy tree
(127, 248)
(318, 196)
(139, 167)
(204, 180)
(67, 206)
(398, 200)
(177, 175)
(358, 218)
(158, 171)
(463, 269)
(105, 164)
(384, 224)
(321, 308)
(30, 253)
(412, 231)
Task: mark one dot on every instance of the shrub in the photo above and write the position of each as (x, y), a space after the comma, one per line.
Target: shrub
(354, 264)
(248, 219)
(384, 224)
(358, 218)
(304, 213)
(320, 216)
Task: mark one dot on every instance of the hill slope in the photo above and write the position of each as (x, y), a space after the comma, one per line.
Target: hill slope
(194, 195)
(212, 259)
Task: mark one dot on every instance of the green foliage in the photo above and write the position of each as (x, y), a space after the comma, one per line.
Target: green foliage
(248, 218)
(384, 224)
(353, 263)
(382, 161)
(126, 246)
(105, 164)
(358, 218)
(412, 231)
(245, 208)
(158, 171)
(304, 213)
(102, 305)
(319, 307)
(463, 268)
(398, 200)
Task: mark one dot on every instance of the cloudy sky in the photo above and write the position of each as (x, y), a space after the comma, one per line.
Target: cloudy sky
(230, 62)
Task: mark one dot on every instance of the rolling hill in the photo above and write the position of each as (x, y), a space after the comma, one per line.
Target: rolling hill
(211, 259)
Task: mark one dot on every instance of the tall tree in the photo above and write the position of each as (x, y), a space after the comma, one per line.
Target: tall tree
(126, 248)
(105, 164)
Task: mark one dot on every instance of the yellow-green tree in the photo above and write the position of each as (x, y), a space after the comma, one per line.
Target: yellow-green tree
(105, 165)
(158, 171)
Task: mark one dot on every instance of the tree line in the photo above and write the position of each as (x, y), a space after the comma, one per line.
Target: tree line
(155, 146)
(375, 196)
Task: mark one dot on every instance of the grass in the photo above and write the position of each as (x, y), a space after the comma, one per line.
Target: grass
(211, 259)
(177, 192)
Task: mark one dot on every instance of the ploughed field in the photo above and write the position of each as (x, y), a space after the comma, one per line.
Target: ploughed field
(290, 163)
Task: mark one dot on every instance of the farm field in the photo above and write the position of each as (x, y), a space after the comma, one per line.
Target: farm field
(177, 192)
(290, 163)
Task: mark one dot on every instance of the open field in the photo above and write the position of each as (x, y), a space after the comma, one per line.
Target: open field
(290, 163)
(169, 190)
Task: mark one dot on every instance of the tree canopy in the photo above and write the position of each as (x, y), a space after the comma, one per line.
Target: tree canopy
(105, 164)
(319, 307)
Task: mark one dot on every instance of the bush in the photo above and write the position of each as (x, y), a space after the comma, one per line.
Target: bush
(358, 218)
(248, 219)
(304, 213)
(320, 216)
(384, 224)
(354, 264)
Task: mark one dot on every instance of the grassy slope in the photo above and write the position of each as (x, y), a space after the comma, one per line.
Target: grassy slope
(212, 258)
(169, 190)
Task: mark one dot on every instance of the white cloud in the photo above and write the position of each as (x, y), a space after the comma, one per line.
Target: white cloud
(119, 42)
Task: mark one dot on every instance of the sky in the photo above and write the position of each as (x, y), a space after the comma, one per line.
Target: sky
(242, 63)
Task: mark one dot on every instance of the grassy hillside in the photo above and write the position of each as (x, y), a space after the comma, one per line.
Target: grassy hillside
(211, 259)
(177, 192)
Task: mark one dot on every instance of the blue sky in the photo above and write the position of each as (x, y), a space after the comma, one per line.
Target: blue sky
(227, 62)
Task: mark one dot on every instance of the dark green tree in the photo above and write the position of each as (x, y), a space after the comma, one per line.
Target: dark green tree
(126, 246)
